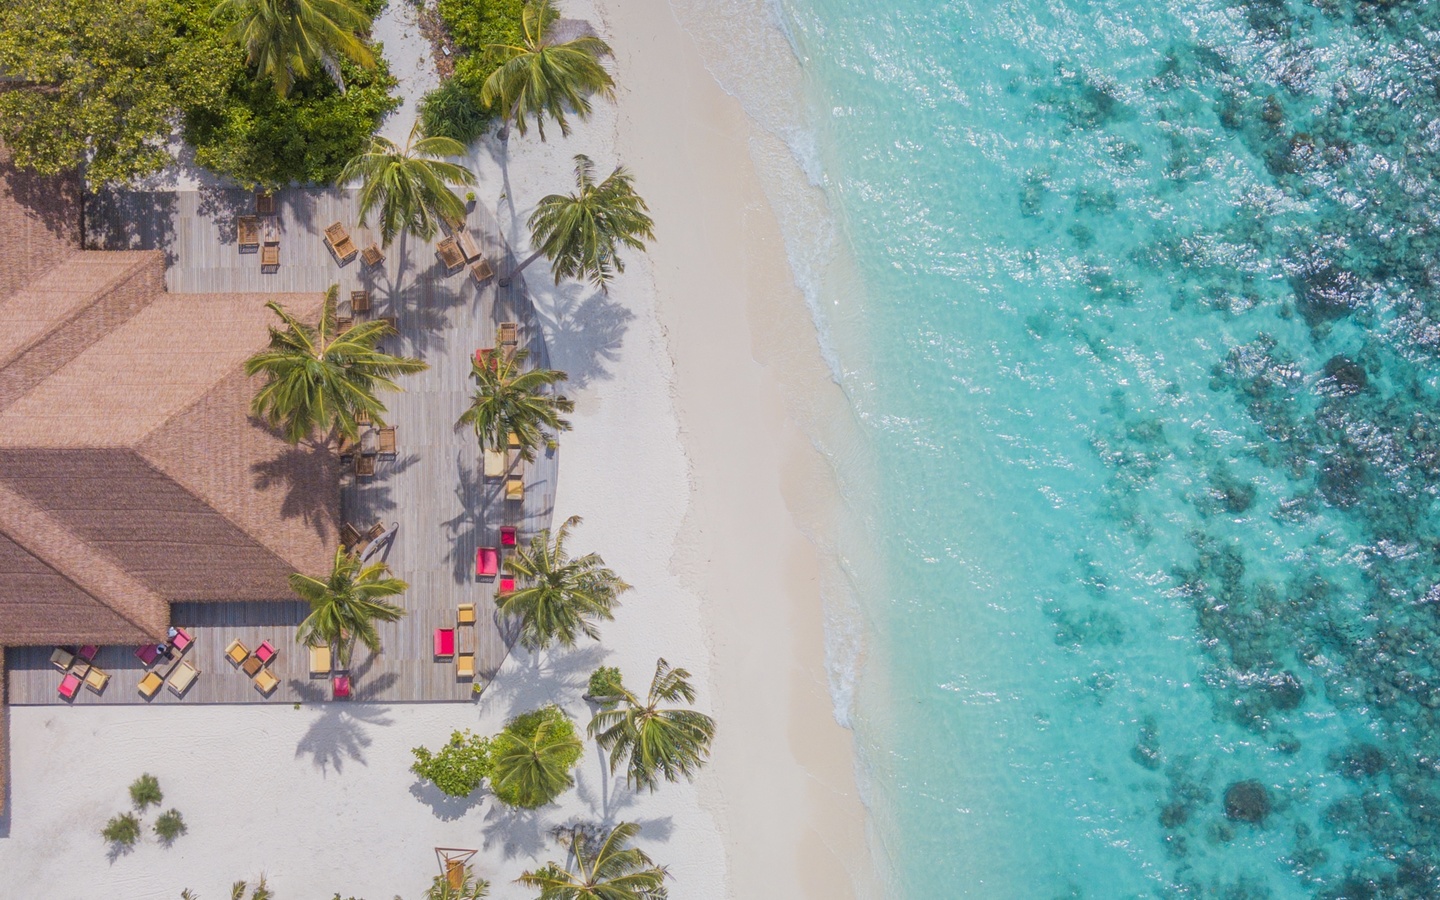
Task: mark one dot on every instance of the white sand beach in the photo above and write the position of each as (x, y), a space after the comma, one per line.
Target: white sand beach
(688, 470)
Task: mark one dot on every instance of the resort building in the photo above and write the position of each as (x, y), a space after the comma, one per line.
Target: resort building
(131, 473)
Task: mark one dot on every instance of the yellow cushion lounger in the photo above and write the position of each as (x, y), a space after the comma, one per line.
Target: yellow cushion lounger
(465, 665)
(515, 489)
(494, 463)
(465, 615)
(265, 681)
(319, 660)
(96, 679)
(237, 652)
(150, 684)
(183, 676)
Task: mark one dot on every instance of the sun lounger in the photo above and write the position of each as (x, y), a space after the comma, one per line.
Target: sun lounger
(237, 653)
(338, 240)
(181, 640)
(69, 685)
(319, 660)
(96, 679)
(514, 441)
(444, 642)
(508, 336)
(364, 466)
(467, 245)
(507, 535)
(514, 489)
(487, 562)
(270, 257)
(265, 652)
(61, 658)
(150, 684)
(450, 254)
(494, 463)
(392, 322)
(247, 232)
(359, 301)
(88, 652)
(266, 682)
(181, 679)
(507, 585)
(465, 665)
(482, 272)
(349, 537)
(340, 687)
(146, 653)
(265, 203)
(387, 440)
(465, 614)
(251, 665)
(372, 256)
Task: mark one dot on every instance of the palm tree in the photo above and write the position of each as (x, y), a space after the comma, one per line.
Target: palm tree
(613, 872)
(317, 380)
(288, 40)
(655, 741)
(510, 401)
(409, 184)
(558, 598)
(531, 759)
(582, 232)
(345, 607)
(471, 888)
(539, 77)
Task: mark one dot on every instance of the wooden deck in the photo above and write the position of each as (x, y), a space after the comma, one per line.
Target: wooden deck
(432, 490)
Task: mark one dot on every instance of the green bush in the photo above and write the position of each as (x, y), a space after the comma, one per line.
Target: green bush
(476, 24)
(453, 110)
(261, 139)
(169, 826)
(605, 685)
(145, 792)
(459, 767)
(529, 769)
(123, 829)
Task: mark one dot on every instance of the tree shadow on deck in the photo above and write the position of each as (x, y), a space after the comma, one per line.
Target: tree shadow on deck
(221, 205)
(132, 220)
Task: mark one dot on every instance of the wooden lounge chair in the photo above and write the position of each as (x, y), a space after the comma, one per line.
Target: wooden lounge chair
(237, 653)
(349, 537)
(338, 240)
(487, 562)
(88, 652)
(465, 666)
(507, 535)
(344, 323)
(359, 301)
(266, 682)
(372, 256)
(146, 653)
(182, 640)
(181, 679)
(393, 322)
(467, 245)
(509, 336)
(494, 463)
(514, 489)
(270, 257)
(266, 652)
(251, 665)
(61, 658)
(465, 614)
(364, 466)
(362, 417)
(482, 272)
(247, 232)
(387, 441)
(450, 254)
(69, 685)
(265, 203)
(444, 642)
(96, 679)
(319, 660)
(150, 684)
(374, 531)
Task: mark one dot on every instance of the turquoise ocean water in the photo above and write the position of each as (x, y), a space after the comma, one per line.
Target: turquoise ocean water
(1144, 342)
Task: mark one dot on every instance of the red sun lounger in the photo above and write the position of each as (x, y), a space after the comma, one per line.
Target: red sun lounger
(69, 685)
(507, 585)
(487, 562)
(444, 642)
(507, 536)
(341, 686)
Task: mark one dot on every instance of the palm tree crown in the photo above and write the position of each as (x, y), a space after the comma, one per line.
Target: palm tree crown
(318, 380)
(345, 607)
(510, 401)
(541, 77)
(471, 887)
(558, 598)
(289, 40)
(410, 184)
(581, 233)
(613, 872)
(531, 759)
(656, 742)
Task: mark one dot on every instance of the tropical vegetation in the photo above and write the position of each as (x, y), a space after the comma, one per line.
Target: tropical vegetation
(653, 739)
(345, 607)
(557, 598)
(611, 870)
(290, 40)
(145, 792)
(123, 830)
(471, 888)
(582, 233)
(531, 759)
(169, 826)
(410, 185)
(604, 686)
(454, 109)
(510, 400)
(321, 381)
(538, 76)
(459, 767)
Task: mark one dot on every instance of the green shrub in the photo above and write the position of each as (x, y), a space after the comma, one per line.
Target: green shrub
(459, 767)
(261, 139)
(476, 24)
(123, 829)
(169, 826)
(145, 792)
(530, 761)
(605, 686)
(453, 110)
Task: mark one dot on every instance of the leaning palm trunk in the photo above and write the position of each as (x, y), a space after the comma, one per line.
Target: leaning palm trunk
(651, 742)
(582, 233)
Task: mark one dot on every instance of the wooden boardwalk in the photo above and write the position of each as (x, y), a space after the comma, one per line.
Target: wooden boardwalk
(432, 491)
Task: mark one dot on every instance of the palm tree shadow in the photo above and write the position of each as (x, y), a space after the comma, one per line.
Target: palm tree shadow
(544, 676)
(466, 530)
(445, 807)
(299, 470)
(519, 832)
(340, 734)
(585, 336)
